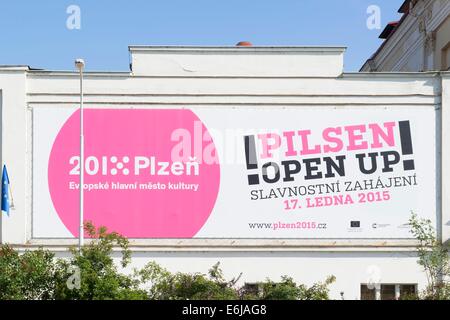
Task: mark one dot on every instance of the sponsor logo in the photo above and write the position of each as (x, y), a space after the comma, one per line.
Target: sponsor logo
(355, 226)
(380, 225)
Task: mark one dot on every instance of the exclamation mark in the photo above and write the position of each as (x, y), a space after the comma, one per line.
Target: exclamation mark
(407, 149)
(250, 159)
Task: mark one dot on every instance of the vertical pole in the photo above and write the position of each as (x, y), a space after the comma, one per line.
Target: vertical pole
(378, 292)
(81, 230)
(397, 292)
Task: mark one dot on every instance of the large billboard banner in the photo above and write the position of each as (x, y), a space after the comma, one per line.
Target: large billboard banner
(208, 172)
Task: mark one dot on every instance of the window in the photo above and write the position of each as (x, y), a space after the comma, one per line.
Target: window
(387, 291)
(445, 57)
(407, 290)
(368, 292)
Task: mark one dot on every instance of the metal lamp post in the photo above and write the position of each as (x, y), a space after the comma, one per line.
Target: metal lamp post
(79, 64)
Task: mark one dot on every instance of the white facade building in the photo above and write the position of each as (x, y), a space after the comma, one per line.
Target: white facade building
(267, 81)
(420, 41)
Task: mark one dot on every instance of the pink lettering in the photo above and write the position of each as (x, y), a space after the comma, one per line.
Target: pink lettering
(354, 138)
(377, 133)
(269, 141)
(327, 136)
(305, 145)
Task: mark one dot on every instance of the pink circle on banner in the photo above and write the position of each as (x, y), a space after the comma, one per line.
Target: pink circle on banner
(113, 140)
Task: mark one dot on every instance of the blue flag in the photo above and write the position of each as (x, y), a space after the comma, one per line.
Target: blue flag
(5, 191)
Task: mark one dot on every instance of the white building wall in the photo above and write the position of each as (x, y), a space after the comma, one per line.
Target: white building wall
(418, 42)
(352, 262)
(350, 268)
(14, 150)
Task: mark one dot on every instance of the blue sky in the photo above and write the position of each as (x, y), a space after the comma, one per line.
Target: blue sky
(35, 33)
